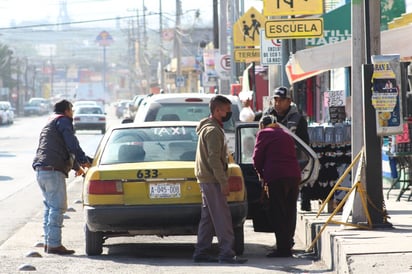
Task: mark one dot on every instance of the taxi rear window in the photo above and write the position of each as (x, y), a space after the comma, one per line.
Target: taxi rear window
(176, 143)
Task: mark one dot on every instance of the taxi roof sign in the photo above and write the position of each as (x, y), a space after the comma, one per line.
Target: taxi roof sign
(294, 28)
(246, 28)
(292, 7)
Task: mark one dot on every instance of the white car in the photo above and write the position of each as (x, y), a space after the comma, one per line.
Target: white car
(89, 117)
(7, 112)
(186, 107)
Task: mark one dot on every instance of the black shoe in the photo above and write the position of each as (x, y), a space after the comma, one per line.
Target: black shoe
(233, 260)
(277, 254)
(205, 259)
(60, 250)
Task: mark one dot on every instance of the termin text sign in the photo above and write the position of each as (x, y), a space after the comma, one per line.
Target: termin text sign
(292, 7)
(247, 55)
(294, 28)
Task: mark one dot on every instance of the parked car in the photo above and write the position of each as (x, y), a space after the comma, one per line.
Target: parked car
(134, 106)
(245, 142)
(7, 112)
(36, 106)
(122, 107)
(89, 117)
(142, 182)
(186, 107)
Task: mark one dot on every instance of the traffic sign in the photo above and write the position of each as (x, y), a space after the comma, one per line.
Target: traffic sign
(294, 28)
(225, 62)
(270, 50)
(292, 7)
(246, 28)
(247, 55)
(180, 81)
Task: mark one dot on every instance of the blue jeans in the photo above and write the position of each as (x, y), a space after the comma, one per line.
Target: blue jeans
(53, 187)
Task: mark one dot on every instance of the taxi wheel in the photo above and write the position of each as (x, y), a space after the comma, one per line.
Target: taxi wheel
(239, 240)
(94, 242)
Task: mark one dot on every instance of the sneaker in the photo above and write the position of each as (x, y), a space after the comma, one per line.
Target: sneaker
(205, 259)
(59, 250)
(233, 260)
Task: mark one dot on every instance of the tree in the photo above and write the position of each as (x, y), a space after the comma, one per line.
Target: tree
(5, 66)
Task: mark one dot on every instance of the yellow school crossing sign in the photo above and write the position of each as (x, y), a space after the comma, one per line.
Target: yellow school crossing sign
(246, 29)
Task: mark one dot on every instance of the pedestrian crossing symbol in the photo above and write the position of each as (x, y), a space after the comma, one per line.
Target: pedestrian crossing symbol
(246, 29)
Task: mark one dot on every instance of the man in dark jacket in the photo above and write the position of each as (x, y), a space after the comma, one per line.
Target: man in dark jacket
(58, 152)
(288, 115)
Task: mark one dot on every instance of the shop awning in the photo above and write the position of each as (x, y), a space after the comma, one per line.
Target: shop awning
(338, 55)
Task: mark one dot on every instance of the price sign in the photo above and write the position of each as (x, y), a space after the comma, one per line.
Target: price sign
(336, 98)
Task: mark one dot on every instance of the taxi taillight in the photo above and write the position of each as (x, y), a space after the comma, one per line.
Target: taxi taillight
(235, 183)
(105, 187)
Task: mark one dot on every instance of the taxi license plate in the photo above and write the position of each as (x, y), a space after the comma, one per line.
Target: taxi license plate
(164, 190)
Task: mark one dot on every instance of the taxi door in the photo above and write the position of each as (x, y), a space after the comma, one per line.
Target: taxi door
(245, 142)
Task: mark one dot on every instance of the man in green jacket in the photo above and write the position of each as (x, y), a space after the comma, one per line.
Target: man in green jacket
(211, 167)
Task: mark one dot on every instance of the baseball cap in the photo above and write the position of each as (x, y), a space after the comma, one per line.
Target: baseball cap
(282, 92)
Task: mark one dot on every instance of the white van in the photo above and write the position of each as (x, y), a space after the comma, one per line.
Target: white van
(186, 107)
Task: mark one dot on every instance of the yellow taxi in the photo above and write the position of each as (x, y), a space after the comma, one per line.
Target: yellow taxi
(142, 182)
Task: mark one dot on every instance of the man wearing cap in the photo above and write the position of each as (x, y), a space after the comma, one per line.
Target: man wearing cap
(288, 115)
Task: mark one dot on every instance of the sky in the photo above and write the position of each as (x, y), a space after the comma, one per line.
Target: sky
(22, 11)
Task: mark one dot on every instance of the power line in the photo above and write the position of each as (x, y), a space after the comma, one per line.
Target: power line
(68, 23)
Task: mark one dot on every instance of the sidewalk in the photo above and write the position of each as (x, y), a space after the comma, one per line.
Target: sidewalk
(351, 250)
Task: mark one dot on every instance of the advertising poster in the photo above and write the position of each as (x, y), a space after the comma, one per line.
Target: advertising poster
(386, 95)
(210, 76)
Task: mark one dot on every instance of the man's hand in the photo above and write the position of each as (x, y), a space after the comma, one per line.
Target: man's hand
(80, 172)
(225, 190)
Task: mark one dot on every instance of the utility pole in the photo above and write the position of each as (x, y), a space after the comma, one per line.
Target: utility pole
(215, 25)
(177, 44)
(234, 16)
(162, 78)
(224, 84)
(367, 42)
(145, 60)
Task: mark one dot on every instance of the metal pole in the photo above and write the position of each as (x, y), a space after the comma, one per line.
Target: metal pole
(162, 79)
(104, 70)
(234, 16)
(178, 44)
(224, 84)
(357, 120)
(215, 25)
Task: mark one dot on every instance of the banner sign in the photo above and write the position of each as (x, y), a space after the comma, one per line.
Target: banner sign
(386, 97)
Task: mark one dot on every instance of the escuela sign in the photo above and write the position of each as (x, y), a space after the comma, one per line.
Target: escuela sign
(294, 28)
